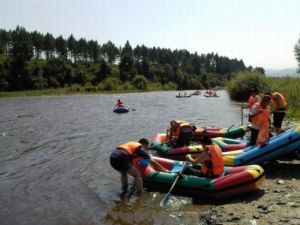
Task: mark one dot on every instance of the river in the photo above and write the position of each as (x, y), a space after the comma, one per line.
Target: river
(54, 156)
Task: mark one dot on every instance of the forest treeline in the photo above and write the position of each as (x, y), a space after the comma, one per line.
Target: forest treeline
(31, 60)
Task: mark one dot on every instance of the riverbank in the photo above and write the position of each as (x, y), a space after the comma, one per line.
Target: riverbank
(60, 91)
(278, 202)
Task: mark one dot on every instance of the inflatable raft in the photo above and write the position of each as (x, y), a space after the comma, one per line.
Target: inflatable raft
(278, 146)
(121, 110)
(235, 181)
(183, 96)
(159, 145)
(229, 144)
(231, 132)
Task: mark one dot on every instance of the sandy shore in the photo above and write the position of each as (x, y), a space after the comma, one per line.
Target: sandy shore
(278, 201)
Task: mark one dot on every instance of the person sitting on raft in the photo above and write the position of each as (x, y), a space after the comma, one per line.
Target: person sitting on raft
(180, 133)
(119, 104)
(211, 160)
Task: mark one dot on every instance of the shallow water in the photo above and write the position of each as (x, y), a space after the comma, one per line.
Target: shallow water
(54, 152)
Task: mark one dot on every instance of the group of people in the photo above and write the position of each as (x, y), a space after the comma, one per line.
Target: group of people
(211, 93)
(210, 162)
(259, 115)
(180, 133)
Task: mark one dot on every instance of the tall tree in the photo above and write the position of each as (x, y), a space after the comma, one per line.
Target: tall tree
(110, 52)
(71, 44)
(61, 47)
(37, 41)
(4, 42)
(127, 69)
(297, 54)
(49, 45)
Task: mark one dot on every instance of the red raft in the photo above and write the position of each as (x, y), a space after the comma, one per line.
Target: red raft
(211, 132)
(161, 147)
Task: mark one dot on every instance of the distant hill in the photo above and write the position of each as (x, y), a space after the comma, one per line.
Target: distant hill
(282, 72)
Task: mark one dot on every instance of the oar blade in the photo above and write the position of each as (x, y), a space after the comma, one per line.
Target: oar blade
(165, 200)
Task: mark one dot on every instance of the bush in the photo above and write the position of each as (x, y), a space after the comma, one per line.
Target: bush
(110, 84)
(140, 82)
(239, 87)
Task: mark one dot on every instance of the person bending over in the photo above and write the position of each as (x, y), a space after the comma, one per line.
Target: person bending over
(121, 160)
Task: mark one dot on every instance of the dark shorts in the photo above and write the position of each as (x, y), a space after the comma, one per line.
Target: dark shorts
(278, 118)
(253, 137)
(120, 161)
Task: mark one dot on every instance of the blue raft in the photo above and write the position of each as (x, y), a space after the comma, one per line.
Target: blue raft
(121, 110)
(278, 146)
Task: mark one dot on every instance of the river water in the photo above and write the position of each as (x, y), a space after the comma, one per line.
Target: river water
(54, 156)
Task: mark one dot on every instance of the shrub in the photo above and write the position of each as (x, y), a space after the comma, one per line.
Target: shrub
(140, 82)
(239, 87)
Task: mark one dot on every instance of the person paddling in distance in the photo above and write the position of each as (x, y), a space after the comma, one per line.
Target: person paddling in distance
(211, 160)
(121, 160)
(119, 104)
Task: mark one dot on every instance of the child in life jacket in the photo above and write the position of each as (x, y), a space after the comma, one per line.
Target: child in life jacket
(211, 160)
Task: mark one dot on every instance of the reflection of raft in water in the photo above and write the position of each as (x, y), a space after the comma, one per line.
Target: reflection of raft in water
(235, 181)
(278, 146)
(159, 144)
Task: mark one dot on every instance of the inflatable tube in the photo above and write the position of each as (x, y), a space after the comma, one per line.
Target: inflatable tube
(121, 110)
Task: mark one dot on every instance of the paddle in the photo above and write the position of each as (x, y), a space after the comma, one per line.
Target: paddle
(230, 127)
(166, 198)
(242, 115)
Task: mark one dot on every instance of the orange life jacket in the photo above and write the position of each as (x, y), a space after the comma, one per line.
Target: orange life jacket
(216, 167)
(130, 147)
(262, 120)
(179, 124)
(278, 101)
(262, 117)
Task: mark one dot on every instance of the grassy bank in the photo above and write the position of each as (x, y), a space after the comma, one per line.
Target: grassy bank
(86, 90)
(290, 88)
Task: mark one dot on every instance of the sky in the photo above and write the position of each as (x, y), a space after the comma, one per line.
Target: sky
(262, 33)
